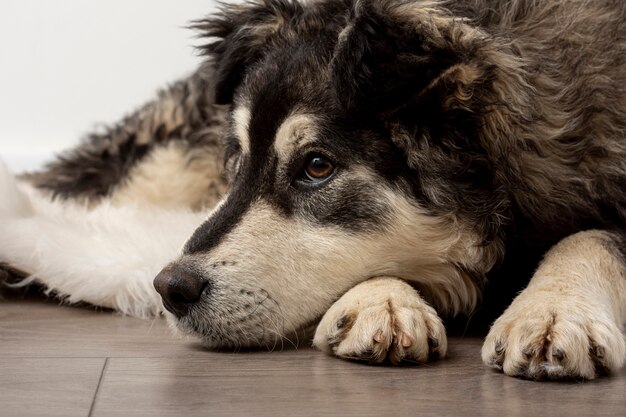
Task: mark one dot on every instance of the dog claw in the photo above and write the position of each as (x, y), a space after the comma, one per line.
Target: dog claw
(405, 340)
(379, 336)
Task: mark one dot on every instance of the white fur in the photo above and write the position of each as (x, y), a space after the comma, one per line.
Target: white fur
(12, 201)
(103, 255)
(241, 124)
(295, 133)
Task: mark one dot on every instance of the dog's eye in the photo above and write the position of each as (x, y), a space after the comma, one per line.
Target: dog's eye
(317, 168)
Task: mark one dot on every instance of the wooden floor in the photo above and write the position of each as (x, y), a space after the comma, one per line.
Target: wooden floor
(63, 361)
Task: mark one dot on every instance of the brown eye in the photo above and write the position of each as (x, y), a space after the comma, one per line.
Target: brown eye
(318, 168)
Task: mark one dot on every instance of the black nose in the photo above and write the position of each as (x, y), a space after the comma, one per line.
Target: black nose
(179, 289)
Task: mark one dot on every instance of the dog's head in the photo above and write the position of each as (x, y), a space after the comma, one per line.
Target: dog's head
(352, 153)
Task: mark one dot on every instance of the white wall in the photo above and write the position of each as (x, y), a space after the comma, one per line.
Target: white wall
(66, 66)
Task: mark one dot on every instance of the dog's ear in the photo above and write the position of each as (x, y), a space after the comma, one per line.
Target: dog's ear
(240, 33)
(394, 54)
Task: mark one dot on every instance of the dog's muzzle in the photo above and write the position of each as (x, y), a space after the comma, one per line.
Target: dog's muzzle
(180, 289)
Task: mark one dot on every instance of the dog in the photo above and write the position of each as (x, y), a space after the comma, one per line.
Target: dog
(384, 163)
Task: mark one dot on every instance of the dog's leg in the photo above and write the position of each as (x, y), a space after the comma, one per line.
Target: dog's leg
(167, 153)
(379, 319)
(106, 256)
(567, 322)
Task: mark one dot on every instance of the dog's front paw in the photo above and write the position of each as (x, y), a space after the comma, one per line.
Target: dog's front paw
(552, 338)
(382, 319)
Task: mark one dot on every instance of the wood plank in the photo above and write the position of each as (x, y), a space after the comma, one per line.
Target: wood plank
(48, 387)
(305, 382)
(63, 331)
(152, 373)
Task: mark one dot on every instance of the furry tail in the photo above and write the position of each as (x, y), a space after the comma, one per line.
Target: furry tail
(106, 256)
(13, 202)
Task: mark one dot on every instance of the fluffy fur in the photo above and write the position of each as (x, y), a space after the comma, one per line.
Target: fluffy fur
(466, 140)
(105, 255)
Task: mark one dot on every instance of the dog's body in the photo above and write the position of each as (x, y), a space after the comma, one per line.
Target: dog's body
(369, 145)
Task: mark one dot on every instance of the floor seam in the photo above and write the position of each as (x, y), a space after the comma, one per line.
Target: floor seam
(95, 395)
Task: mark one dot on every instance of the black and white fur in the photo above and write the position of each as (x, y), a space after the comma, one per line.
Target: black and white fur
(466, 138)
